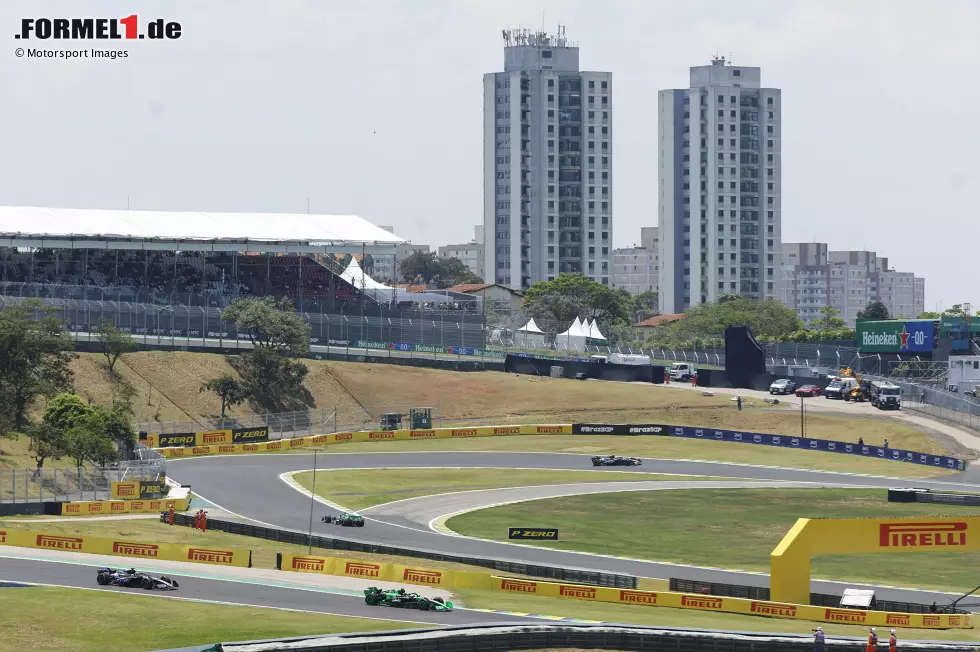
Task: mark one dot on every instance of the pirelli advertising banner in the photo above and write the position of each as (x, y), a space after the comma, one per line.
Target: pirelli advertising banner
(138, 490)
(731, 605)
(385, 572)
(789, 563)
(95, 507)
(126, 548)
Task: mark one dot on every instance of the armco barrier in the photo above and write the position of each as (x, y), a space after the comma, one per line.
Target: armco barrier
(749, 607)
(577, 575)
(90, 507)
(767, 439)
(387, 572)
(533, 636)
(120, 546)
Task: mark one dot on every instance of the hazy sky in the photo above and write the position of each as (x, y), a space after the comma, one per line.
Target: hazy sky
(375, 108)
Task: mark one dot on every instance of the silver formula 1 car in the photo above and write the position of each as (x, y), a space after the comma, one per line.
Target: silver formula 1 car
(133, 578)
(615, 460)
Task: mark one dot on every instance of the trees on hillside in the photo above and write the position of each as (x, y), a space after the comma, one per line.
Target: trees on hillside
(271, 376)
(427, 268)
(35, 354)
(113, 343)
(229, 389)
(84, 433)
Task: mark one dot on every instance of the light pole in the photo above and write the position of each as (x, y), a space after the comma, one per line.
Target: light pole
(312, 501)
(802, 429)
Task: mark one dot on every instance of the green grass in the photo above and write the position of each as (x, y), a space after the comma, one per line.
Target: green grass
(725, 528)
(657, 447)
(57, 619)
(366, 488)
(664, 617)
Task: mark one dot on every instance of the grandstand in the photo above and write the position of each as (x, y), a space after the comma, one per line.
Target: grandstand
(166, 273)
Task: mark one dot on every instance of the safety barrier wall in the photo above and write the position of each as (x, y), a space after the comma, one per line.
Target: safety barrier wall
(929, 496)
(701, 602)
(139, 489)
(206, 437)
(122, 547)
(387, 572)
(534, 636)
(367, 435)
(818, 599)
(768, 439)
(90, 507)
(563, 573)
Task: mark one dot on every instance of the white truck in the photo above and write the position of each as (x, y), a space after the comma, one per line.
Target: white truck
(886, 395)
(682, 371)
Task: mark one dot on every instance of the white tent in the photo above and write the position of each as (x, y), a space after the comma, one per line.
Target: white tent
(572, 339)
(594, 332)
(381, 292)
(356, 277)
(529, 336)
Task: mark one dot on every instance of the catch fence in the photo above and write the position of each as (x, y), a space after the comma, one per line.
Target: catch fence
(64, 484)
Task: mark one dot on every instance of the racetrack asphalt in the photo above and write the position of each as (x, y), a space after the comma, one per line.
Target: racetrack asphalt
(71, 573)
(249, 487)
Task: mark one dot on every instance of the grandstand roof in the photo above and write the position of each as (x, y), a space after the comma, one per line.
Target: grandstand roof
(60, 228)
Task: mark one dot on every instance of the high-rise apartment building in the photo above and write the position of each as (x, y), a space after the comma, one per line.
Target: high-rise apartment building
(720, 186)
(547, 168)
(635, 269)
(470, 254)
(814, 277)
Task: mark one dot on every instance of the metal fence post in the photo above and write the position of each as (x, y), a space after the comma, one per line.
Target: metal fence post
(27, 486)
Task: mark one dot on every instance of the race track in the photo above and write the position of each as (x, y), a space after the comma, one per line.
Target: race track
(249, 486)
(242, 593)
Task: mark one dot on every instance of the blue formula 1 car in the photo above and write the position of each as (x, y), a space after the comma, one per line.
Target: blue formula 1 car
(133, 578)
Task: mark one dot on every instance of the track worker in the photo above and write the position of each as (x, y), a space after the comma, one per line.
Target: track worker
(872, 640)
(818, 639)
(892, 642)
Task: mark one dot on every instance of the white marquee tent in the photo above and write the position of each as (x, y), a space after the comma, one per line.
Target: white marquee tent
(383, 293)
(594, 332)
(574, 338)
(529, 336)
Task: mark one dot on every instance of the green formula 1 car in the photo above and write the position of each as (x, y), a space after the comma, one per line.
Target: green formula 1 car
(400, 598)
(346, 519)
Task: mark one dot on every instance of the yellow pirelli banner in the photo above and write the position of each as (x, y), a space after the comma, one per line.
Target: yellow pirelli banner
(217, 444)
(220, 556)
(731, 605)
(110, 507)
(789, 563)
(386, 572)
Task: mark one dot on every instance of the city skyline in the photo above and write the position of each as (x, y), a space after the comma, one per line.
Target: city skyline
(870, 161)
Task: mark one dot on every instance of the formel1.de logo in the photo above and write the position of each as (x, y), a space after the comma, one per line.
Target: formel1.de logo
(80, 29)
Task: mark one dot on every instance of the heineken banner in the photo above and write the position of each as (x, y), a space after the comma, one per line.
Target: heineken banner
(895, 336)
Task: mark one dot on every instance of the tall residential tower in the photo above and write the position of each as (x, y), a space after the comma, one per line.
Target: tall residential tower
(547, 166)
(720, 187)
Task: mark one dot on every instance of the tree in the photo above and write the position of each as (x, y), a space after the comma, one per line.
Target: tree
(645, 305)
(113, 343)
(65, 411)
(955, 310)
(427, 268)
(574, 295)
(229, 389)
(271, 324)
(929, 315)
(829, 319)
(35, 354)
(874, 310)
(271, 380)
(47, 442)
(93, 436)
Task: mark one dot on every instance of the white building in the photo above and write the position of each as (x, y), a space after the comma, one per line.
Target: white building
(635, 268)
(814, 277)
(547, 168)
(720, 186)
(470, 254)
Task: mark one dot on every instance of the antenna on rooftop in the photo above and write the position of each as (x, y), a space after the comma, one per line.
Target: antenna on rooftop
(127, 202)
(307, 205)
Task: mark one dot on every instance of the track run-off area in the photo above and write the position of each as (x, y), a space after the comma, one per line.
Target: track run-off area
(260, 488)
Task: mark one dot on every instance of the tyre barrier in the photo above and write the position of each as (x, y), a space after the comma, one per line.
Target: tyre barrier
(571, 635)
(561, 573)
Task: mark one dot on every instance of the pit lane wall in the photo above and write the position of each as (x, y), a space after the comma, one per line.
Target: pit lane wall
(387, 572)
(732, 605)
(125, 548)
(172, 450)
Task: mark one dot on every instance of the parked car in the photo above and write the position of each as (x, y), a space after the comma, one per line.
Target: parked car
(782, 386)
(809, 390)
